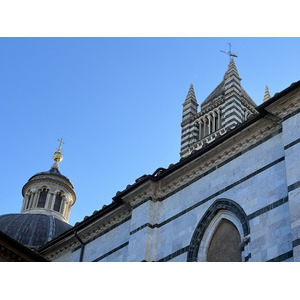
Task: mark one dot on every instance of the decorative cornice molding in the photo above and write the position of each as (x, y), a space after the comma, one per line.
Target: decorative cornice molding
(286, 105)
(49, 180)
(88, 234)
(10, 255)
(146, 191)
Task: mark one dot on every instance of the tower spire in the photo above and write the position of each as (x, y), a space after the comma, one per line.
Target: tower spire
(232, 70)
(190, 104)
(191, 94)
(190, 107)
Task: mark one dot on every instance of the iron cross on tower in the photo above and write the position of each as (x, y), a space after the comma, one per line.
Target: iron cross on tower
(229, 53)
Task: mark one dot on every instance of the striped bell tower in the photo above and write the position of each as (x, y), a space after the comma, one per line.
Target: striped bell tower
(225, 108)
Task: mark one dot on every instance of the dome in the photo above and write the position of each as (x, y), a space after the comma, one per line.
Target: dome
(49, 193)
(32, 230)
(53, 174)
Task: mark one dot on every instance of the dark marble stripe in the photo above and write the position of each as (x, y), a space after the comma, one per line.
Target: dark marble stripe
(188, 134)
(293, 186)
(174, 254)
(142, 227)
(267, 208)
(292, 144)
(296, 242)
(111, 252)
(234, 106)
(282, 257)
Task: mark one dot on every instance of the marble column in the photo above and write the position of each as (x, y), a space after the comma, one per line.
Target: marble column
(219, 118)
(52, 202)
(200, 130)
(35, 199)
(62, 206)
(213, 122)
(47, 199)
(209, 123)
(28, 201)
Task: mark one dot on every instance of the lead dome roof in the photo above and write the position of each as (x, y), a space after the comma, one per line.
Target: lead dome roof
(51, 172)
(32, 230)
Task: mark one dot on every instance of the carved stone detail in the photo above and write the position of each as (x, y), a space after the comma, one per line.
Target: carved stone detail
(285, 106)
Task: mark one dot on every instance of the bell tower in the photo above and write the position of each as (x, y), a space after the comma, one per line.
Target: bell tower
(49, 192)
(225, 108)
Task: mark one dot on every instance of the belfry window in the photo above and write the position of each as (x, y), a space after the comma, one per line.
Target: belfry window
(42, 198)
(57, 203)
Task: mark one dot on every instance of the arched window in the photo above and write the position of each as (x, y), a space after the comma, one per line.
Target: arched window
(222, 234)
(28, 200)
(57, 203)
(225, 244)
(42, 198)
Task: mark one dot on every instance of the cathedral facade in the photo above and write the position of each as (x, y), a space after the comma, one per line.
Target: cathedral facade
(233, 196)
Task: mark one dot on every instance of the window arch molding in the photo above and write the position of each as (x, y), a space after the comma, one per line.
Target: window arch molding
(220, 209)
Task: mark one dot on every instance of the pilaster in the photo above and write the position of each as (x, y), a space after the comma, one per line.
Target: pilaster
(291, 139)
(143, 232)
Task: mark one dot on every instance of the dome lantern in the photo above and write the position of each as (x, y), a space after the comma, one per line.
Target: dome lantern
(47, 200)
(50, 192)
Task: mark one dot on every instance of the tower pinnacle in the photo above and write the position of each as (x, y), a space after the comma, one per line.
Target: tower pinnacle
(232, 70)
(191, 94)
(267, 94)
(49, 192)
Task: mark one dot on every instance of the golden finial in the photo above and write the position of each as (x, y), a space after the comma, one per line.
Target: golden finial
(57, 156)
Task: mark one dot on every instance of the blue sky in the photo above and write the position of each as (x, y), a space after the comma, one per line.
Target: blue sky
(117, 104)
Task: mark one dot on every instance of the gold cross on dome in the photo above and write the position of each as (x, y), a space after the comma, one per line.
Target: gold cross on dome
(60, 142)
